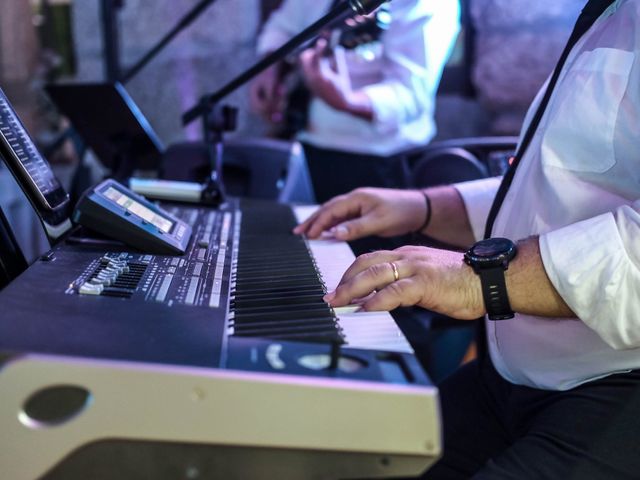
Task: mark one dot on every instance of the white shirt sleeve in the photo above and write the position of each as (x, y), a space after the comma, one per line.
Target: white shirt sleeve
(416, 48)
(287, 21)
(599, 276)
(478, 196)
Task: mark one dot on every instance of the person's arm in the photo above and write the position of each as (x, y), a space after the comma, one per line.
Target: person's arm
(387, 212)
(529, 288)
(415, 50)
(439, 280)
(435, 279)
(267, 93)
(327, 84)
(595, 267)
(589, 270)
(448, 220)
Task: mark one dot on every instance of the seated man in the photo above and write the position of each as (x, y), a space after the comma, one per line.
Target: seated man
(557, 392)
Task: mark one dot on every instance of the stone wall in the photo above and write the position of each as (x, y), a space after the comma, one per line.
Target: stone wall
(19, 59)
(215, 48)
(517, 45)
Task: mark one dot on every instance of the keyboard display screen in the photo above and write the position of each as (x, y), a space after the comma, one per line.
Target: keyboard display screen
(138, 209)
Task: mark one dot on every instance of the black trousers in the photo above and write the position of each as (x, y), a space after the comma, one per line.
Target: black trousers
(496, 430)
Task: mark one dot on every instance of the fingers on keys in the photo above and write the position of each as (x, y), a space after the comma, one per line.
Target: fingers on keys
(382, 273)
(330, 215)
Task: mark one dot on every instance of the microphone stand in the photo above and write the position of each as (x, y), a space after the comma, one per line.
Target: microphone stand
(216, 119)
(109, 15)
(112, 66)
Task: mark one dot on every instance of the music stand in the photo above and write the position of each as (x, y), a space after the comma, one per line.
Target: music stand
(111, 124)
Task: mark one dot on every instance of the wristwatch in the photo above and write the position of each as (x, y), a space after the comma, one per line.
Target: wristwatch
(489, 259)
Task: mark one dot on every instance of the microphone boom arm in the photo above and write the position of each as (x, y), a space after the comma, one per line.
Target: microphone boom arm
(360, 7)
(216, 120)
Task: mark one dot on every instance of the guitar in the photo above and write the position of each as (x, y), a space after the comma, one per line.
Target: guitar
(350, 34)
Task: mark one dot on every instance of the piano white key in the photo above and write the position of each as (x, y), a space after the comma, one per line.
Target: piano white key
(365, 330)
(333, 258)
(373, 330)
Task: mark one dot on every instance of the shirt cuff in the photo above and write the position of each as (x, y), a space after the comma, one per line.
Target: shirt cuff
(588, 265)
(478, 196)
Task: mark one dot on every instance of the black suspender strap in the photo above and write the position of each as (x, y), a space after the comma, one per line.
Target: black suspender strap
(588, 16)
(590, 13)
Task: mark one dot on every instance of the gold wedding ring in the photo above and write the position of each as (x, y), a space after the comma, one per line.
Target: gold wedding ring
(396, 275)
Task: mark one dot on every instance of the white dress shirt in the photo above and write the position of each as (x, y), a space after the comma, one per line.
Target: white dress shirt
(400, 75)
(578, 188)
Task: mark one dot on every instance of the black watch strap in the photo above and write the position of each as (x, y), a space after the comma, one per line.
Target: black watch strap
(494, 293)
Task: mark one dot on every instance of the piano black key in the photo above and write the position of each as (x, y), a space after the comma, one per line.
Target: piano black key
(248, 265)
(304, 307)
(276, 287)
(276, 246)
(329, 322)
(277, 301)
(287, 268)
(307, 280)
(299, 252)
(266, 278)
(287, 314)
(266, 292)
(319, 337)
(288, 330)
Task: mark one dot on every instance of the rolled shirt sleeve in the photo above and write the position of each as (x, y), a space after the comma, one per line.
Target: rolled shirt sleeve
(478, 196)
(595, 267)
(416, 48)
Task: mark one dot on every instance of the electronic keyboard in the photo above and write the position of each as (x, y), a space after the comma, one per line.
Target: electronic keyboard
(223, 362)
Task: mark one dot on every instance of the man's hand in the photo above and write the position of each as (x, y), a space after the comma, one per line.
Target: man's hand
(327, 84)
(434, 279)
(439, 280)
(367, 211)
(267, 94)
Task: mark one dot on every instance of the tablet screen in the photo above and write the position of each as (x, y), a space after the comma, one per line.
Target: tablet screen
(22, 156)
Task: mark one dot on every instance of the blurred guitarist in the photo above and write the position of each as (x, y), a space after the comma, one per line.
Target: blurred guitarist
(372, 88)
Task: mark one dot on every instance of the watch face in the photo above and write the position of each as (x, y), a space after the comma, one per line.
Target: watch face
(489, 253)
(492, 247)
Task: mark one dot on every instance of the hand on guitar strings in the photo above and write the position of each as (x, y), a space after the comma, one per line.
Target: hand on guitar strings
(267, 94)
(325, 82)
